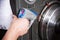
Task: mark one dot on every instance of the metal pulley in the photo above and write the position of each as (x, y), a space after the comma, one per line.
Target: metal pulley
(49, 21)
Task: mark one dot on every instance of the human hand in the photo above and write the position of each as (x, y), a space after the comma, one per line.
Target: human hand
(19, 27)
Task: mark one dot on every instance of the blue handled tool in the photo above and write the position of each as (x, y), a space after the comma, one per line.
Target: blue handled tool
(31, 15)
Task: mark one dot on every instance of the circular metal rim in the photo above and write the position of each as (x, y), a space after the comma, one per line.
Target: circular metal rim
(50, 3)
(30, 2)
(46, 9)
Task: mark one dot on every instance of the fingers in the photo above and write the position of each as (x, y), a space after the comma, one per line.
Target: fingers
(23, 23)
(24, 27)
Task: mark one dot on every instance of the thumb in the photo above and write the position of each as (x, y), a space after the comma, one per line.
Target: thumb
(14, 17)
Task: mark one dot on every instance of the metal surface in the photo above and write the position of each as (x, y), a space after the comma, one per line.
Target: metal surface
(49, 21)
(35, 5)
(30, 1)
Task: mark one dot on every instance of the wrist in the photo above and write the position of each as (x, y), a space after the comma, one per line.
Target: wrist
(10, 35)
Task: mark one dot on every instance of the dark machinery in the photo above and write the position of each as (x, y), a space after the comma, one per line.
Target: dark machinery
(49, 18)
(49, 22)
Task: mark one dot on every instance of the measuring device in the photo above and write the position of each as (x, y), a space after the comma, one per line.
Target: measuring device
(29, 14)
